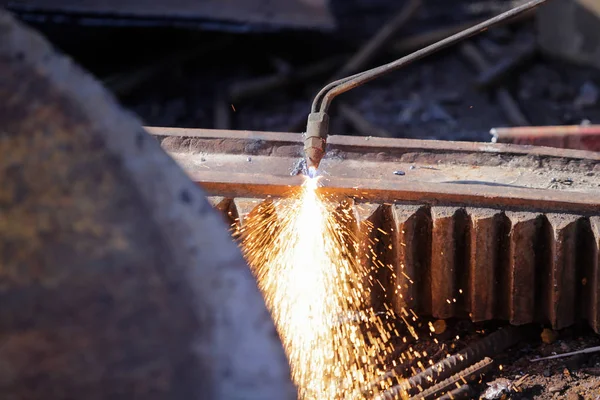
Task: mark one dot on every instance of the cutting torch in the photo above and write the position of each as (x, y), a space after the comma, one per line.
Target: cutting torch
(317, 127)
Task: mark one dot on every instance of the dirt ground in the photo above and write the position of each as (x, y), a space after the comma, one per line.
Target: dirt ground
(432, 99)
(514, 375)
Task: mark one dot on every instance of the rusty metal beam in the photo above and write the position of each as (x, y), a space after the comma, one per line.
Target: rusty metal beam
(582, 137)
(504, 197)
(366, 146)
(435, 178)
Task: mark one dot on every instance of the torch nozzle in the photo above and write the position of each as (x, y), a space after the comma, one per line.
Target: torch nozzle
(315, 140)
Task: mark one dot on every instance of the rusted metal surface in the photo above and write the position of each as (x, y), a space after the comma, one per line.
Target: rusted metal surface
(117, 278)
(223, 14)
(483, 230)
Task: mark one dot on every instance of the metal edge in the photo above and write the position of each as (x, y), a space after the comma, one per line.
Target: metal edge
(259, 185)
(373, 144)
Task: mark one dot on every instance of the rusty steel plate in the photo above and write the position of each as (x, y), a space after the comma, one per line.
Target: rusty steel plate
(304, 14)
(117, 278)
(483, 230)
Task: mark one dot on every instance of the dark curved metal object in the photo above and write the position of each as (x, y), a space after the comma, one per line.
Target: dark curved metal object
(117, 279)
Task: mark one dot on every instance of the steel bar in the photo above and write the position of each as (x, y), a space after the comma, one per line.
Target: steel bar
(589, 350)
(463, 392)
(248, 185)
(581, 137)
(462, 377)
(442, 376)
(369, 146)
(454, 365)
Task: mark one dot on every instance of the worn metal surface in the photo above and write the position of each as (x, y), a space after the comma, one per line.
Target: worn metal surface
(483, 230)
(117, 278)
(220, 14)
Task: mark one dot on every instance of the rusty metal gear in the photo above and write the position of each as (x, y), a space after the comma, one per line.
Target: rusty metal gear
(479, 230)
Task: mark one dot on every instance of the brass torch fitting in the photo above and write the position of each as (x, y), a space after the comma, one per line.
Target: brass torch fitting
(317, 129)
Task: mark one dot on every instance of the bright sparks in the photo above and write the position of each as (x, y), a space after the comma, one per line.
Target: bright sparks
(303, 252)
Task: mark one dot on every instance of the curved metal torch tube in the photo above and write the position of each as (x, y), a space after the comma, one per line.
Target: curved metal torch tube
(317, 127)
(343, 85)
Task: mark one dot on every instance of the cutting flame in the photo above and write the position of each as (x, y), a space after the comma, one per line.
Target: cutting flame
(303, 253)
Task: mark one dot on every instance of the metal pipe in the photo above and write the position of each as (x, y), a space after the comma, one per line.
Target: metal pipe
(317, 128)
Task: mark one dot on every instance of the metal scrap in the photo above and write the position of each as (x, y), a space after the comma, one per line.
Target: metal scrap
(498, 389)
(465, 362)
(582, 137)
(463, 392)
(589, 350)
(452, 371)
(462, 377)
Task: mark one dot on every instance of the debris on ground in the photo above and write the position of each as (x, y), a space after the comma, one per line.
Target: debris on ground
(497, 389)
(439, 326)
(549, 336)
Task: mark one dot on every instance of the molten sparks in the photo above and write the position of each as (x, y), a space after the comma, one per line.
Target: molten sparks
(303, 252)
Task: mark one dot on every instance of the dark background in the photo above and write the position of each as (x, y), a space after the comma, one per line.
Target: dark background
(192, 72)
